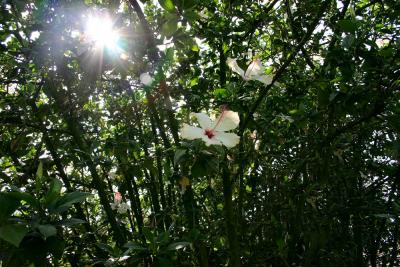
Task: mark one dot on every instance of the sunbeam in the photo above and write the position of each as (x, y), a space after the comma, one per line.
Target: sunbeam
(100, 31)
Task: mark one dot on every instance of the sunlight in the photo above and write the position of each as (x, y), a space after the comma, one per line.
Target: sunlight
(101, 32)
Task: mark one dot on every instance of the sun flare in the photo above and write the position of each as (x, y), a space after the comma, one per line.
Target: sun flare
(101, 32)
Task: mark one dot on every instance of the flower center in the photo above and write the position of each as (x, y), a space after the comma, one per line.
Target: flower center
(209, 132)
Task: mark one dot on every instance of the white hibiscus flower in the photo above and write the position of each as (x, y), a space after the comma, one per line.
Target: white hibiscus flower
(255, 71)
(118, 204)
(213, 132)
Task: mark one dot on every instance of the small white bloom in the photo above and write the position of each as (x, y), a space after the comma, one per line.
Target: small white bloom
(146, 79)
(255, 71)
(382, 42)
(214, 132)
(117, 200)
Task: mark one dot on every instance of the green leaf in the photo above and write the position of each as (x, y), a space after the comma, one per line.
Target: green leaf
(179, 156)
(178, 245)
(348, 41)
(221, 93)
(149, 234)
(191, 16)
(13, 233)
(47, 230)
(148, 164)
(187, 4)
(195, 48)
(7, 207)
(163, 238)
(55, 245)
(194, 81)
(204, 165)
(66, 201)
(54, 191)
(387, 52)
(107, 248)
(170, 26)
(28, 198)
(169, 54)
(167, 5)
(39, 172)
(348, 25)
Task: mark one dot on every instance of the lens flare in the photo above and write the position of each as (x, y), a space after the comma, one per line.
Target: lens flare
(101, 32)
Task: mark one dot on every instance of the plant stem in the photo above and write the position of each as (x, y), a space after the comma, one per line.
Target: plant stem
(230, 220)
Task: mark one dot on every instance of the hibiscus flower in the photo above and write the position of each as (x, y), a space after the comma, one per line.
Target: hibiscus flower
(213, 132)
(118, 204)
(255, 71)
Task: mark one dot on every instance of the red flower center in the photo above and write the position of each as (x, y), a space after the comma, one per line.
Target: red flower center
(209, 133)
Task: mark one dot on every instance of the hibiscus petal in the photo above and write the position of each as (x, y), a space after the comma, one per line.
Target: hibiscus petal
(227, 139)
(203, 119)
(254, 69)
(211, 141)
(117, 197)
(232, 64)
(265, 79)
(229, 121)
(191, 132)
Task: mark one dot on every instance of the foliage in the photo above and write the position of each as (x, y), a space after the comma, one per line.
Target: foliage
(314, 180)
(36, 230)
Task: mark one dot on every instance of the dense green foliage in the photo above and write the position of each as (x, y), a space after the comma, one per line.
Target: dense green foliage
(314, 180)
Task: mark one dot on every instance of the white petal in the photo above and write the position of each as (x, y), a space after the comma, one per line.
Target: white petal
(191, 133)
(211, 141)
(203, 119)
(257, 145)
(265, 79)
(114, 206)
(227, 139)
(229, 121)
(232, 64)
(146, 79)
(254, 69)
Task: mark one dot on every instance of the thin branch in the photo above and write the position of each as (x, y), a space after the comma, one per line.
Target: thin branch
(378, 108)
(149, 37)
(296, 35)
